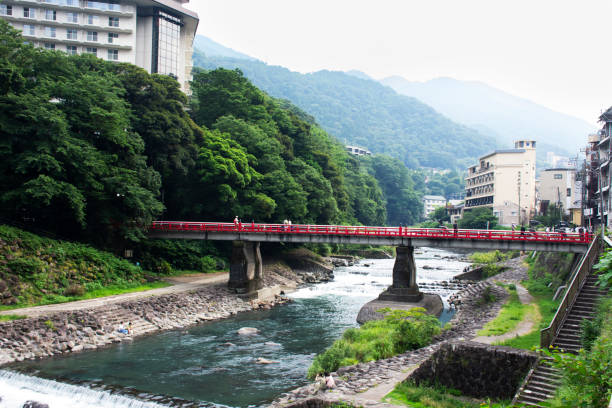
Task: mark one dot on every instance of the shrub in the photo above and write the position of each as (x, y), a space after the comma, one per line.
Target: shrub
(74, 290)
(25, 267)
(398, 332)
(486, 297)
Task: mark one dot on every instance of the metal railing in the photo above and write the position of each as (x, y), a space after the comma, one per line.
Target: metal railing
(547, 335)
(347, 230)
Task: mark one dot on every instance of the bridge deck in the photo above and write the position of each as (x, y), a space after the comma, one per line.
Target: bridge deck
(436, 237)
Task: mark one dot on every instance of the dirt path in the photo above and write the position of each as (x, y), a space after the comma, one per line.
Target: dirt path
(185, 283)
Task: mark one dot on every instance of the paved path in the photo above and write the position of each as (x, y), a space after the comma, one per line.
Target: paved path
(185, 283)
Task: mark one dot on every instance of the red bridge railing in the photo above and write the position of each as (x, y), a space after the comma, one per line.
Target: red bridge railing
(435, 233)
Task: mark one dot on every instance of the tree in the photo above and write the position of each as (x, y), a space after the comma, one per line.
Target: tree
(440, 215)
(478, 218)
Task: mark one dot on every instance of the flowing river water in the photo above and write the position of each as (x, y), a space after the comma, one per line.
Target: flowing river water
(210, 364)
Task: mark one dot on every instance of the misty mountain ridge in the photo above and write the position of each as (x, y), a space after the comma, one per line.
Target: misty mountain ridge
(481, 106)
(214, 49)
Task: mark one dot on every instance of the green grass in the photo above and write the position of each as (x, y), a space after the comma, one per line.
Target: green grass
(6, 318)
(545, 311)
(434, 397)
(400, 331)
(511, 314)
(97, 293)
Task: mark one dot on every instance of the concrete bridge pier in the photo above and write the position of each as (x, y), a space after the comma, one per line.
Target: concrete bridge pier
(246, 270)
(404, 287)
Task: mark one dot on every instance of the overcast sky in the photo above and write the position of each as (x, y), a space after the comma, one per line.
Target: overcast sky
(555, 53)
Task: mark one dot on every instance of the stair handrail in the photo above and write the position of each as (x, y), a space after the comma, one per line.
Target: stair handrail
(548, 334)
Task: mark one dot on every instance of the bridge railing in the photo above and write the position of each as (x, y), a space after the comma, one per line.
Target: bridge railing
(435, 233)
(548, 334)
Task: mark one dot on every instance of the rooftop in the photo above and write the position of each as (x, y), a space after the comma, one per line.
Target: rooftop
(434, 197)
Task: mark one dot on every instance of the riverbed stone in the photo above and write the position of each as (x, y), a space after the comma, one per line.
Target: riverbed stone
(431, 303)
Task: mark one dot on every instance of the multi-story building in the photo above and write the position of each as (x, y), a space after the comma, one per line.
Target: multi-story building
(599, 153)
(358, 151)
(156, 35)
(431, 202)
(504, 181)
(559, 186)
(590, 191)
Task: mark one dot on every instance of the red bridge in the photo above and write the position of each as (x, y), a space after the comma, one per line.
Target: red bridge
(246, 270)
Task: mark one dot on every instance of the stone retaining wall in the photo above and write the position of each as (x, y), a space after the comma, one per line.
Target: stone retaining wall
(477, 370)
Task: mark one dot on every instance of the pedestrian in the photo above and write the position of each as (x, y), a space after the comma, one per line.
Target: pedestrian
(236, 222)
(522, 230)
(455, 227)
(130, 328)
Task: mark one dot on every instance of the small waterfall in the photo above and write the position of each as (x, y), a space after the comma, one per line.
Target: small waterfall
(16, 389)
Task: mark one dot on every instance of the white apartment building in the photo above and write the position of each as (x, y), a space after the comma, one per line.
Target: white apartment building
(431, 202)
(156, 35)
(358, 151)
(504, 181)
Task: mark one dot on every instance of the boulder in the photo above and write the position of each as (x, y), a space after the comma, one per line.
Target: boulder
(261, 360)
(248, 331)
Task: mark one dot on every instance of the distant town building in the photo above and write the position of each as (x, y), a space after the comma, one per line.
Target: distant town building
(358, 151)
(455, 210)
(431, 202)
(558, 186)
(156, 35)
(504, 181)
(597, 194)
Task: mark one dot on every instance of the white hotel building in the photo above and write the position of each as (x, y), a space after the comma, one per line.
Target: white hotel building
(156, 35)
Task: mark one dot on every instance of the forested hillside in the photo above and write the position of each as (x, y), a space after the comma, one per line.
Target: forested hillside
(366, 113)
(94, 151)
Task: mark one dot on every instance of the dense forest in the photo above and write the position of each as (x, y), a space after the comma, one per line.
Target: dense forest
(94, 151)
(366, 113)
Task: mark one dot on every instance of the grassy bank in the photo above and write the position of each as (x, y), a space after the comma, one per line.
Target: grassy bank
(414, 396)
(511, 314)
(37, 271)
(397, 333)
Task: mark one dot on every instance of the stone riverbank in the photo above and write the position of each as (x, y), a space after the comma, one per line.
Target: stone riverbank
(365, 384)
(87, 328)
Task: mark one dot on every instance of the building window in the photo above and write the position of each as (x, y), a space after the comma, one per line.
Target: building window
(112, 37)
(71, 49)
(49, 46)
(558, 176)
(71, 34)
(103, 5)
(91, 19)
(92, 36)
(6, 10)
(72, 2)
(29, 29)
(569, 192)
(113, 55)
(50, 15)
(72, 17)
(91, 50)
(168, 32)
(29, 12)
(113, 21)
(50, 32)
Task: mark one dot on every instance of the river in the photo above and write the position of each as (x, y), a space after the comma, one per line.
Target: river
(210, 364)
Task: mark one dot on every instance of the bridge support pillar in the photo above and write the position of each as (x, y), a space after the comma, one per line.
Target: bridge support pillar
(404, 287)
(246, 270)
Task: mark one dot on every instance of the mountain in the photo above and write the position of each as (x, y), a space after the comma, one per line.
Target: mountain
(491, 110)
(364, 112)
(359, 74)
(211, 48)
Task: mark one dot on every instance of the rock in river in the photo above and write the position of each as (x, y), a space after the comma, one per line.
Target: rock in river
(247, 331)
(261, 360)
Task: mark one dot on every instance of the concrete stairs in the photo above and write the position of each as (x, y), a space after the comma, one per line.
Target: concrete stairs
(543, 380)
(113, 316)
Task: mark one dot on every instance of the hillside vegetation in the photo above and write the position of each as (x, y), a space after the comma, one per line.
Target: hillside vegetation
(366, 113)
(34, 269)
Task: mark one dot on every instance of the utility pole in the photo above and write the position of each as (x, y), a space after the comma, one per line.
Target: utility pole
(519, 198)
